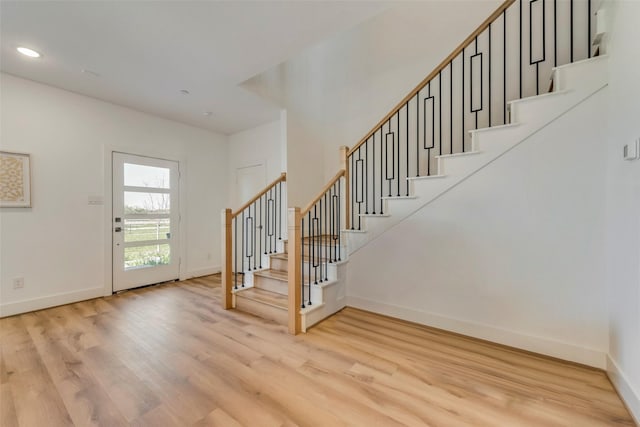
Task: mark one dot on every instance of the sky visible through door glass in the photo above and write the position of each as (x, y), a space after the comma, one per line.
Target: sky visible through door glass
(146, 176)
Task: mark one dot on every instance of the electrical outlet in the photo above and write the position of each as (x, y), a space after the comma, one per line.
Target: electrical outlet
(209, 256)
(18, 283)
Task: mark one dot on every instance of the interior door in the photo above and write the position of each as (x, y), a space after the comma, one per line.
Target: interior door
(249, 180)
(146, 221)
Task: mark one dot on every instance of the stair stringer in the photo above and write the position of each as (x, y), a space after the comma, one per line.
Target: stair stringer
(574, 82)
(327, 297)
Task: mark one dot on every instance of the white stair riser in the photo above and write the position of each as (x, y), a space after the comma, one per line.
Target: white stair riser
(459, 166)
(262, 310)
(279, 264)
(271, 284)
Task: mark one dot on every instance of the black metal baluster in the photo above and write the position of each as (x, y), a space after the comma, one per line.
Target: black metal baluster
(386, 156)
(320, 242)
(407, 145)
(489, 77)
(267, 241)
(253, 234)
(261, 228)
(255, 237)
(243, 256)
(417, 133)
(373, 173)
(382, 146)
(571, 30)
(314, 250)
(235, 253)
(543, 41)
(471, 82)
(326, 243)
(451, 107)
(261, 233)
(424, 142)
(588, 28)
(463, 49)
(274, 220)
(555, 33)
(332, 248)
(359, 187)
(398, 150)
(504, 63)
(310, 260)
(520, 48)
(353, 193)
(339, 219)
(280, 209)
(440, 113)
(270, 221)
(330, 219)
(302, 260)
(366, 177)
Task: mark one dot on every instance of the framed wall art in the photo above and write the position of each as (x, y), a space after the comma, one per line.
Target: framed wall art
(15, 180)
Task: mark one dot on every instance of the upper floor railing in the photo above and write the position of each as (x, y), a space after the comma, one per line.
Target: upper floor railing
(509, 56)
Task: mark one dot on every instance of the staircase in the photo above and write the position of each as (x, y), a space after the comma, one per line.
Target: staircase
(482, 101)
(265, 292)
(573, 83)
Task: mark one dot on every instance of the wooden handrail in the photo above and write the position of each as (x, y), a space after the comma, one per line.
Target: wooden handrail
(326, 188)
(281, 178)
(436, 71)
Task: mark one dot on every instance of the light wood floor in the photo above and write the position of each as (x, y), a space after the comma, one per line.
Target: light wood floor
(170, 356)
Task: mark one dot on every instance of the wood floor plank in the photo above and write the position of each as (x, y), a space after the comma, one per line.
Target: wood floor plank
(168, 355)
(7, 408)
(218, 418)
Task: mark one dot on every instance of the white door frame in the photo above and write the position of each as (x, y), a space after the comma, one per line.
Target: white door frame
(108, 207)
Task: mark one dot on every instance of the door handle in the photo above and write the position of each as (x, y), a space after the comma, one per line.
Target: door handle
(118, 229)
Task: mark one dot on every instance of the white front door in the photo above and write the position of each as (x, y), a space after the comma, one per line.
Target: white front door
(145, 221)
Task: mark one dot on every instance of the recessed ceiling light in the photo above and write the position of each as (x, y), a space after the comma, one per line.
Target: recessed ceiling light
(28, 52)
(184, 91)
(207, 113)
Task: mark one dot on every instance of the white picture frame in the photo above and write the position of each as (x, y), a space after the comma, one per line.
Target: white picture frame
(15, 180)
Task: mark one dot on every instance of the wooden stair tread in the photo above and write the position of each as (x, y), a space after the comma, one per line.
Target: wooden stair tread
(273, 274)
(266, 297)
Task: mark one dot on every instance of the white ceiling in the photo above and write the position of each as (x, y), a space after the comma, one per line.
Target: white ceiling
(145, 52)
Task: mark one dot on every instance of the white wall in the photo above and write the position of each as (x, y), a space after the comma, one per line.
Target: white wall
(623, 202)
(337, 90)
(512, 255)
(261, 145)
(60, 245)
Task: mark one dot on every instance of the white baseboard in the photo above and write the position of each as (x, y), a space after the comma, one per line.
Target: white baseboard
(630, 396)
(202, 272)
(25, 306)
(545, 346)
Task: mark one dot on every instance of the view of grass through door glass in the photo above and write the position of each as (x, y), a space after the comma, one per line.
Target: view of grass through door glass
(146, 256)
(140, 222)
